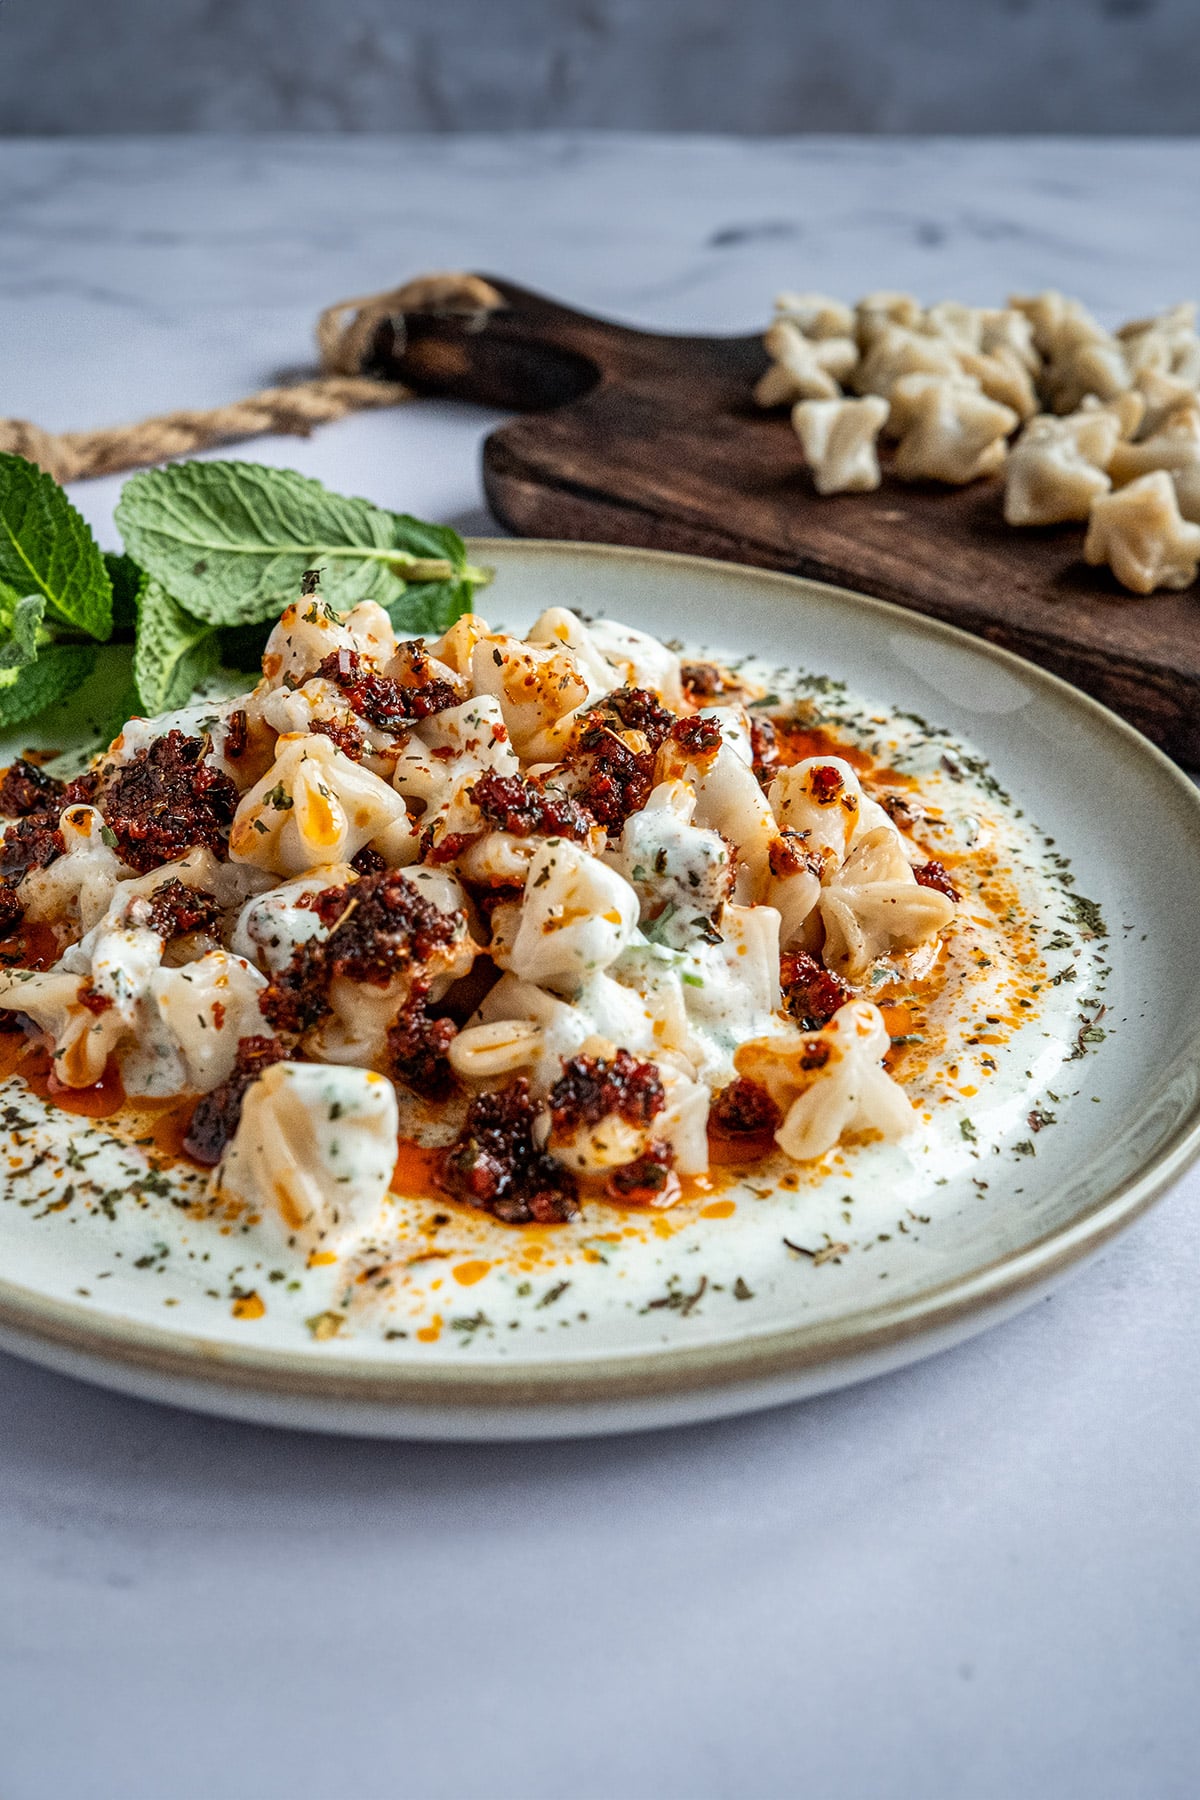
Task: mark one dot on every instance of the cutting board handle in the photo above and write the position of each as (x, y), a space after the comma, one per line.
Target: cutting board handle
(527, 355)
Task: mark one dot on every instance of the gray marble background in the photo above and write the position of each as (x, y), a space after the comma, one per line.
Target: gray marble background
(753, 66)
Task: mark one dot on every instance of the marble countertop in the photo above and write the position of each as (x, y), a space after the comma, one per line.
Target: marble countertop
(978, 1576)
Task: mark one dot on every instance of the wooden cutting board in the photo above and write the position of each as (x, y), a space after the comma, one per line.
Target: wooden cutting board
(634, 437)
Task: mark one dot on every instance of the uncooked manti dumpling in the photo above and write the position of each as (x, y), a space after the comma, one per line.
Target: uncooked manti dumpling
(816, 315)
(803, 368)
(839, 438)
(1175, 447)
(1139, 532)
(1057, 467)
(948, 430)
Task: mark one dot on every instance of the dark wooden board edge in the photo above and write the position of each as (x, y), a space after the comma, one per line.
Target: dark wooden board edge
(1166, 709)
(648, 438)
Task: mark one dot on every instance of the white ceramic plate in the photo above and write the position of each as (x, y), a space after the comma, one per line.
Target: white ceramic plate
(687, 1344)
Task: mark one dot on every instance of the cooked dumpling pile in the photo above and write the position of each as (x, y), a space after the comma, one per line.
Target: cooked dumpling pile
(532, 891)
(1037, 391)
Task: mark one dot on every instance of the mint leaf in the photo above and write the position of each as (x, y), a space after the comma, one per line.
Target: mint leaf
(173, 652)
(231, 541)
(58, 671)
(46, 548)
(21, 646)
(9, 601)
(427, 608)
(121, 702)
(432, 541)
(126, 580)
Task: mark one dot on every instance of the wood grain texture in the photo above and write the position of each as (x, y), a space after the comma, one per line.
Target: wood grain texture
(635, 437)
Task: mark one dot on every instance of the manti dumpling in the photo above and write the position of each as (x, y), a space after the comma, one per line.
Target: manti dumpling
(596, 1147)
(1139, 532)
(81, 1038)
(1004, 362)
(818, 804)
(897, 353)
(1096, 366)
(521, 1026)
(313, 1156)
(1175, 447)
(79, 885)
(829, 1082)
(539, 688)
(558, 627)
(228, 884)
(1162, 396)
(639, 660)
(1164, 345)
(682, 873)
(803, 368)
(173, 1030)
(451, 748)
(731, 988)
(822, 811)
(294, 712)
(1081, 358)
(270, 926)
(885, 306)
(209, 719)
(839, 438)
(948, 430)
(874, 905)
(308, 631)
(1057, 467)
(821, 800)
(363, 1010)
(728, 797)
(197, 1013)
(577, 915)
(816, 315)
(313, 806)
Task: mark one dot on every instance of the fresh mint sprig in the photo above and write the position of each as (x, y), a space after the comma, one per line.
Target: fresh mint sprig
(31, 688)
(231, 541)
(173, 651)
(47, 549)
(23, 622)
(126, 580)
(213, 551)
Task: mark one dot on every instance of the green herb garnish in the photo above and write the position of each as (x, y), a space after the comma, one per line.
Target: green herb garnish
(47, 549)
(173, 653)
(213, 552)
(233, 542)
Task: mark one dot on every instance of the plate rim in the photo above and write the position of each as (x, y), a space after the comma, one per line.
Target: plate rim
(835, 1344)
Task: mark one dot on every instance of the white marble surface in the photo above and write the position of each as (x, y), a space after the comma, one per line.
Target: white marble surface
(978, 1577)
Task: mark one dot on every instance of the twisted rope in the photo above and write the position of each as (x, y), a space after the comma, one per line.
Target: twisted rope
(345, 333)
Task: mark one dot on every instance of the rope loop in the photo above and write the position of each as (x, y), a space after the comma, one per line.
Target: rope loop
(345, 333)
